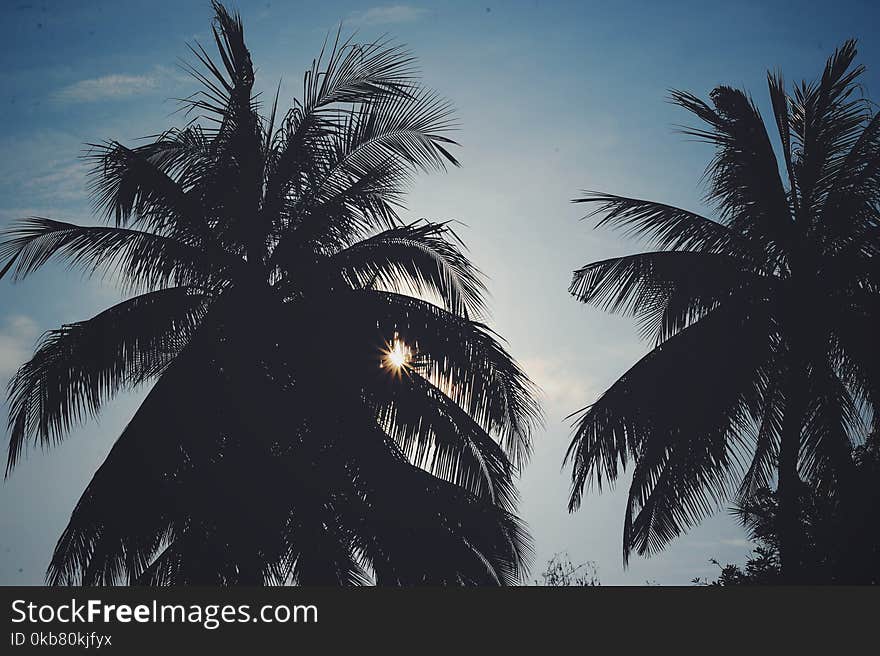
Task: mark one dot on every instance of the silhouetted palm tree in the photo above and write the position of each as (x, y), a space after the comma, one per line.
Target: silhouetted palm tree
(764, 319)
(310, 421)
(841, 542)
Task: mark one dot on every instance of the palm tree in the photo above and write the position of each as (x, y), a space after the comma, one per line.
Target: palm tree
(764, 319)
(840, 543)
(326, 406)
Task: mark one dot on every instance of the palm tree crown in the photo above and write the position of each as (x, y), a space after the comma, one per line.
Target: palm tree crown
(327, 407)
(764, 319)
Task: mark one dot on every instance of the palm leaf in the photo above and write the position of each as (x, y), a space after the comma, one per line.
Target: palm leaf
(644, 418)
(665, 290)
(77, 367)
(463, 358)
(438, 436)
(422, 258)
(745, 184)
(140, 259)
(665, 226)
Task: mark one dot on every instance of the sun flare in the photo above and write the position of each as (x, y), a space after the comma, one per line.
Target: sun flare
(397, 355)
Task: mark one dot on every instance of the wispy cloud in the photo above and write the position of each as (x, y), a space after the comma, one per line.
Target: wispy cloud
(61, 181)
(43, 168)
(387, 15)
(740, 543)
(107, 87)
(563, 388)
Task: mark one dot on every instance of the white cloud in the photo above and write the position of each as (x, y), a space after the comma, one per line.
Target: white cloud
(388, 14)
(62, 181)
(704, 545)
(107, 87)
(16, 343)
(42, 168)
(563, 388)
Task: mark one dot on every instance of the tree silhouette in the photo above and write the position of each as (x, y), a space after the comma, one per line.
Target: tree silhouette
(841, 539)
(764, 320)
(283, 439)
(561, 572)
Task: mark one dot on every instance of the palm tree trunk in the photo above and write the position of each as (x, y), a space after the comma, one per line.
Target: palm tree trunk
(790, 531)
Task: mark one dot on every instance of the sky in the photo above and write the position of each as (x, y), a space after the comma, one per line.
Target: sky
(552, 98)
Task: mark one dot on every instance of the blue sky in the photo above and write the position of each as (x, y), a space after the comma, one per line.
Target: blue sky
(552, 97)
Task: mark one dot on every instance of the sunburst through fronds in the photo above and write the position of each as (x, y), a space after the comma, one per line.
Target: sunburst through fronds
(396, 356)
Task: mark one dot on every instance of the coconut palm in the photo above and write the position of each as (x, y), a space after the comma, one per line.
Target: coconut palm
(326, 406)
(763, 319)
(842, 544)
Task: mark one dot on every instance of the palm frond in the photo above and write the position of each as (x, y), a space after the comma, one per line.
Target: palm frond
(409, 128)
(155, 187)
(227, 91)
(685, 462)
(664, 226)
(352, 74)
(438, 436)
(356, 73)
(423, 258)
(782, 114)
(188, 468)
(745, 185)
(410, 516)
(332, 562)
(665, 290)
(140, 259)
(78, 367)
(408, 131)
(464, 359)
(358, 208)
(644, 411)
(849, 212)
(675, 486)
(827, 119)
(227, 99)
(762, 469)
(831, 419)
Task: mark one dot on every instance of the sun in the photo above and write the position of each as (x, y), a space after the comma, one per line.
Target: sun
(397, 355)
